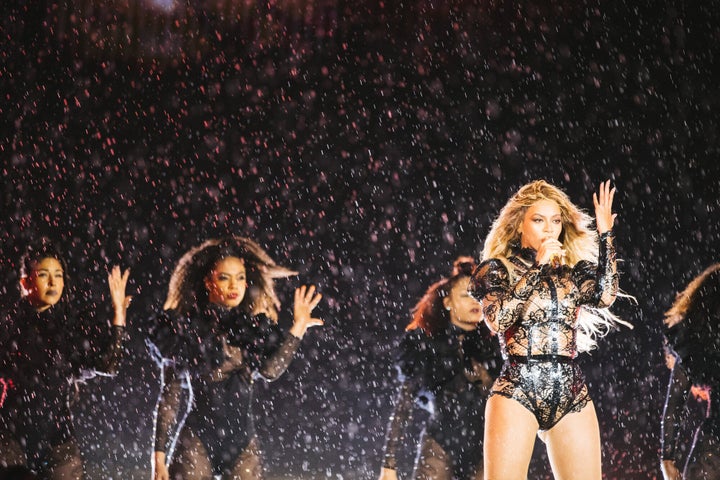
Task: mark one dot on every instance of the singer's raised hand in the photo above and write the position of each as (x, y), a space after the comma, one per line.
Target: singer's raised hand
(603, 200)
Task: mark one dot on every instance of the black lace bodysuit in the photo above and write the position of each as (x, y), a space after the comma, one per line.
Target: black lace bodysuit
(41, 354)
(536, 316)
(214, 356)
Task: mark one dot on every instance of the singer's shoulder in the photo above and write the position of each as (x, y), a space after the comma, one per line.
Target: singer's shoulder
(490, 277)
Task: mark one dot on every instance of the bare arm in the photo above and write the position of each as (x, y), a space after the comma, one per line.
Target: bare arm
(117, 283)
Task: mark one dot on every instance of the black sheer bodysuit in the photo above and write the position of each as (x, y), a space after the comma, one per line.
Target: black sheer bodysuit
(42, 353)
(215, 356)
(696, 344)
(449, 375)
(703, 461)
(536, 317)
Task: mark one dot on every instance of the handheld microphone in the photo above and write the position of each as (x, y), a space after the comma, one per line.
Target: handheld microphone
(556, 261)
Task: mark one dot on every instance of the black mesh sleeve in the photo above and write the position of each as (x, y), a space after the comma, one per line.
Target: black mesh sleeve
(401, 416)
(490, 277)
(169, 404)
(112, 355)
(268, 350)
(96, 345)
(279, 360)
(673, 413)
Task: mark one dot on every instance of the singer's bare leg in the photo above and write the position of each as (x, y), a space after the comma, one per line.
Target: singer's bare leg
(573, 446)
(510, 431)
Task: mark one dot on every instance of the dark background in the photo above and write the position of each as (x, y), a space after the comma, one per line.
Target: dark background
(365, 144)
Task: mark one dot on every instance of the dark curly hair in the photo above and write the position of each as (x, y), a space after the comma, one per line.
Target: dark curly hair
(187, 291)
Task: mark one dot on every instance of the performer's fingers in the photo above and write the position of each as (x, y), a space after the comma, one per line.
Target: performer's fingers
(315, 300)
(309, 293)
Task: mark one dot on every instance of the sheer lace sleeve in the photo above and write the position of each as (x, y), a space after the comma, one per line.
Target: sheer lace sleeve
(677, 393)
(598, 284)
(169, 404)
(502, 304)
(401, 416)
(491, 277)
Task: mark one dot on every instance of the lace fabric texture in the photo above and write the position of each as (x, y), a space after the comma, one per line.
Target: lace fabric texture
(537, 315)
(550, 389)
(537, 319)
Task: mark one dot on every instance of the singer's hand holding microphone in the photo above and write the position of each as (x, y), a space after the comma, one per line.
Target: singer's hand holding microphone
(551, 251)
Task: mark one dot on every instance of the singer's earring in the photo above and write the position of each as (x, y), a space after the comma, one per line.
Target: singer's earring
(448, 308)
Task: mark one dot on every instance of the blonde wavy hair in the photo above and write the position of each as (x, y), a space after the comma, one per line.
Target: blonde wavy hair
(684, 300)
(579, 239)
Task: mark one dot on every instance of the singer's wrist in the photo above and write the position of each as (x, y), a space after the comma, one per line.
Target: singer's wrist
(607, 234)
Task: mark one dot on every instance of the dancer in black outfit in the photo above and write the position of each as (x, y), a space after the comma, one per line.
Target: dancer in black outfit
(448, 362)
(693, 333)
(45, 345)
(219, 333)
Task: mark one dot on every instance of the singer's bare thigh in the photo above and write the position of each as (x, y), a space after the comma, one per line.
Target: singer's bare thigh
(574, 446)
(510, 431)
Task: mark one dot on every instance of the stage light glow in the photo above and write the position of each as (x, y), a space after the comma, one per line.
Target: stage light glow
(165, 5)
